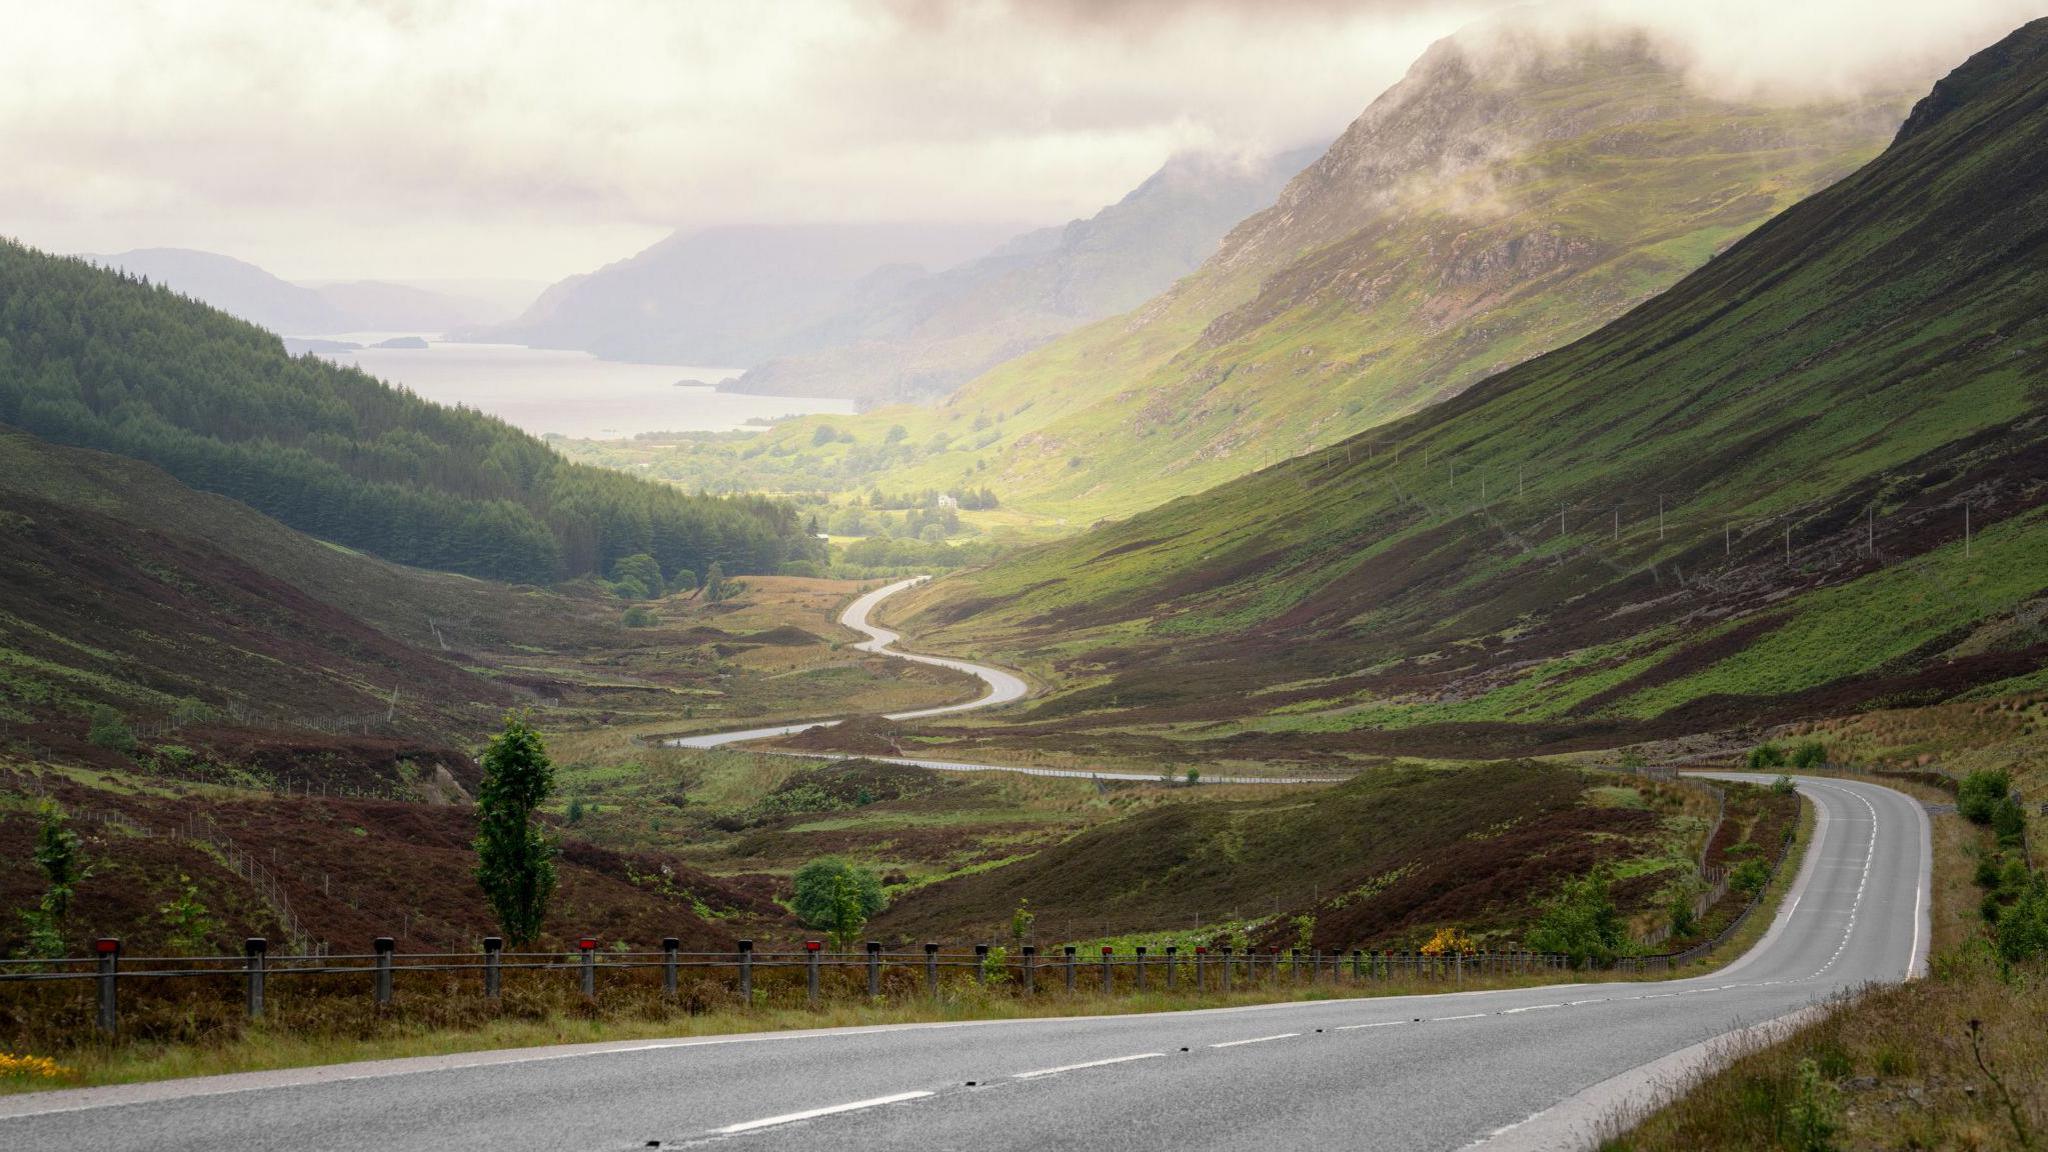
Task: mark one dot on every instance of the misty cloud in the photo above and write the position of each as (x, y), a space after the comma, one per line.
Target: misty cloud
(435, 137)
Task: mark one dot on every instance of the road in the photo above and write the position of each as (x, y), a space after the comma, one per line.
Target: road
(1509, 1070)
(1004, 687)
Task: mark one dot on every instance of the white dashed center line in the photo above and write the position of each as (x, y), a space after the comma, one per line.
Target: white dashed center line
(1256, 1040)
(1530, 1008)
(813, 1113)
(1376, 1024)
(1467, 1016)
(1085, 1064)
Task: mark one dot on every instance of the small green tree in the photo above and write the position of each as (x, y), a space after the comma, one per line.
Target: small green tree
(57, 854)
(838, 898)
(1581, 921)
(109, 729)
(515, 858)
(575, 809)
(188, 927)
(1784, 786)
(1194, 776)
(1021, 921)
(639, 616)
(714, 583)
(1766, 756)
(637, 577)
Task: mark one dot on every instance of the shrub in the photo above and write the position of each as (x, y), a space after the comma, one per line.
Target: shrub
(639, 616)
(1766, 756)
(2023, 928)
(109, 729)
(1977, 799)
(1784, 786)
(1581, 922)
(1750, 876)
(1194, 776)
(189, 927)
(1811, 754)
(2009, 821)
(799, 568)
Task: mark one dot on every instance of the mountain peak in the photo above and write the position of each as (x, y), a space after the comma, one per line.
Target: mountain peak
(1982, 74)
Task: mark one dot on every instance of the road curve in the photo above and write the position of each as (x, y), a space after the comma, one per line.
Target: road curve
(1003, 686)
(1508, 1070)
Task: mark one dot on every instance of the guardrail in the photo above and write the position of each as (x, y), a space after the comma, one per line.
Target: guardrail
(1198, 970)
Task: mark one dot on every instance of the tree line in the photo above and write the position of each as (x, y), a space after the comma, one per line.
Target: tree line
(97, 359)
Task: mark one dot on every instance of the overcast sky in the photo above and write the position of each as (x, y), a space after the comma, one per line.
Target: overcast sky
(459, 138)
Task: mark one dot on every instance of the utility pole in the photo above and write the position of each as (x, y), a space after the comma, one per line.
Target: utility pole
(1660, 519)
(1617, 522)
(1560, 522)
(1966, 529)
(1727, 539)
(1870, 531)
(1518, 481)
(1788, 544)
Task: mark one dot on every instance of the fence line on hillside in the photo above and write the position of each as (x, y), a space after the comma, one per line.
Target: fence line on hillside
(897, 974)
(202, 831)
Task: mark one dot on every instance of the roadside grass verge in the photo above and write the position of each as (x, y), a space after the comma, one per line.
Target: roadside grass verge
(308, 1034)
(208, 1035)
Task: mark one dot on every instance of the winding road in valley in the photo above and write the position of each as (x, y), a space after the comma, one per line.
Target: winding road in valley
(1004, 687)
(1532, 1068)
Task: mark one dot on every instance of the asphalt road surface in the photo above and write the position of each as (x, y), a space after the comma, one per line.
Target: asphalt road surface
(1003, 686)
(1529, 1068)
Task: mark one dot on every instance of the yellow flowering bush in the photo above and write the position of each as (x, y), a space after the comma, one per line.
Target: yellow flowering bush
(1448, 941)
(14, 1067)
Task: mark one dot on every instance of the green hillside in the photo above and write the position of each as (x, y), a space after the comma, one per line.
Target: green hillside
(1477, 214)
(1809, 476)
(93, 358)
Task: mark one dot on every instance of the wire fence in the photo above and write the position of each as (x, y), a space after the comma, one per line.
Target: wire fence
(869, 975)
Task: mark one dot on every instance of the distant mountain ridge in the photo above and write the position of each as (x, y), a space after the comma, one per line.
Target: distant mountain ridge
(734, 295)
(915, 338)
(242, 289)
(1810, 477)
(1510, 194)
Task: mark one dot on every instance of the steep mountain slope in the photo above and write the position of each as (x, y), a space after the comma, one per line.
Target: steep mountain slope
(1810, 475)
(734, 296)
(1509, 195)
(90, 357)
(919, 339)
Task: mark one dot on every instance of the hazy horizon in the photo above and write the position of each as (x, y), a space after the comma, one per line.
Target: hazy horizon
(434, 141)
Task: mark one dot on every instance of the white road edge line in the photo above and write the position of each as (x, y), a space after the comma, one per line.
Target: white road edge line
(813, 1113)
(1256, 1040)
(1087, 1064)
